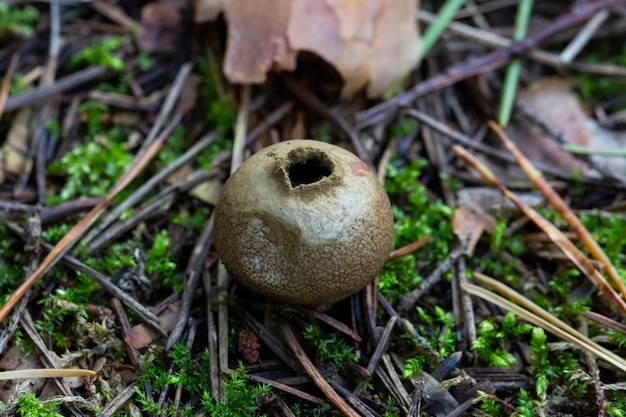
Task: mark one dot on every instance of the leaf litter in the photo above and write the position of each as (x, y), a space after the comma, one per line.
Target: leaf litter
(114, 298)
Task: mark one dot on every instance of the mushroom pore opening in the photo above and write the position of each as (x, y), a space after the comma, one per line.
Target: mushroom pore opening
(307, 166)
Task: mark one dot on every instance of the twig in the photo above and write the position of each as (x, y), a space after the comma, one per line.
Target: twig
(32, 248)
(145, 188)
(283, 387)
(409, 299)
(581, 39)
(193, 273)
(6, 82)
(170, 100)
(103, 281)
(222, 322)
(565, 244)
(191, 338)
(241, 128)
(158, 204)
(71, 81)
(270, 121)
(314, 373)
(118, 401)
(489, 62)
(415, 410)
(381, 347)
(214, 370)
(309, 99)
(559, 204)
(70, 239)
(536, 315)
(488, 150)
(594, 373)
(125, 329)
(47, 359)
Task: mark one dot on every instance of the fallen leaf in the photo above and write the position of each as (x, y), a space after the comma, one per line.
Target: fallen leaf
(256, 39)
(469, 224)
(554, 102)
(12, 360)
(160, 27)
(371, 43)
(490, 201)
(141, 336)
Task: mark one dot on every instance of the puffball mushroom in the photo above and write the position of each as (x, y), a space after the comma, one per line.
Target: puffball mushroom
(303, 222)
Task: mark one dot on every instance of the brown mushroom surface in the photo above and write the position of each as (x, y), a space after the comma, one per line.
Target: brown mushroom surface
(303, 222)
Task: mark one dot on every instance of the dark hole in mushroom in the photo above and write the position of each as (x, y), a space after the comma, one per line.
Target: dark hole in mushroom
(306, 166)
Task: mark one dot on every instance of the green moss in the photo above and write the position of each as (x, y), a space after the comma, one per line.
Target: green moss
(93, 167)
(100, 53)
(194, 221)
(17, 21)
(492, 344)
(182, 368)
(31, 406)
(331, 351)
(415, 216)
(159, 266)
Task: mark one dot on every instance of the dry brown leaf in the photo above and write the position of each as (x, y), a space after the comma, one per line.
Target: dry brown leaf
(141, 336)
(551, 100)
(555, 103)
(469, 224)
(491, 201)
(12, 360)
(256, 39)
(371, 43)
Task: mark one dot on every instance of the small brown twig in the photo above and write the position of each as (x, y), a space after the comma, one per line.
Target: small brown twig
(409, 249)
(125, 329)
(118, 401)
(489, 62)
(409, 299)
(70, 239)
(193, 273)
(314, 373)
(6, 82)
(241, 127)
(47, 358)
(147, 186)
(565, 244)
(561, 207)
(309, 99)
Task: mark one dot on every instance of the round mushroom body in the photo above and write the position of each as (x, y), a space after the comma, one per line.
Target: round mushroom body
(303, 222)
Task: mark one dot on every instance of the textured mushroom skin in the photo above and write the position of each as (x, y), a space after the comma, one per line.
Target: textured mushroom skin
(312, 243)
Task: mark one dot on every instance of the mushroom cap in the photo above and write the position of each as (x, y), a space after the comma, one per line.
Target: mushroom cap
(303, 222)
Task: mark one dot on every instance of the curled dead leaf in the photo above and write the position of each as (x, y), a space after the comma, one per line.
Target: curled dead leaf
(371, 43)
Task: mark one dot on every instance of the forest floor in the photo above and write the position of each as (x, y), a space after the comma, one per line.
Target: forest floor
(503, 161)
